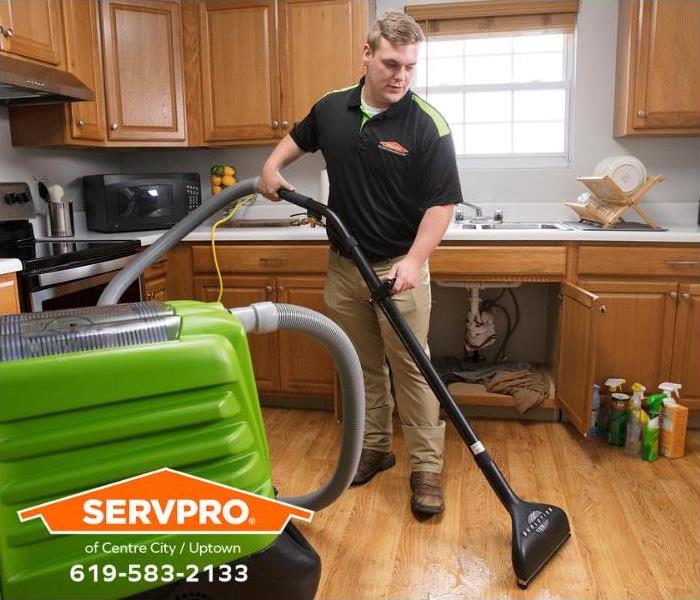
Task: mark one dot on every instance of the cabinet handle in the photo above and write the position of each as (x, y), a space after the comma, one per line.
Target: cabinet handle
(9, 32)
(273, 261)
(686, 296)
(114, 127)
(275, 124)
(641, 113)
(682, 263)
(285, 124)
(268, 288)
(80, 123)
(280, 288)
(2, 30)
(673, 295)
(603, 309)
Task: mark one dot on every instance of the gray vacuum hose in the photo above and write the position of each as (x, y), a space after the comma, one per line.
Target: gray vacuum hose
(264, 317)
(113, 292)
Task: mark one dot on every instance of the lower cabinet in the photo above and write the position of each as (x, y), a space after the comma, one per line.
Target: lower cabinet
(286, 363)
(685, 366)
(9, 297)
(155, 281)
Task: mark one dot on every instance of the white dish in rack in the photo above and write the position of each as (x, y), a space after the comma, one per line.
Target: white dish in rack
(627, 172)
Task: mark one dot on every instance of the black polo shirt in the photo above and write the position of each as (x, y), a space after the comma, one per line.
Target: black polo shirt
(384, 171)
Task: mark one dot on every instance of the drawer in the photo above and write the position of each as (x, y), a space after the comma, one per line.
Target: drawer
(652, 260)
(248, 258)
(500, 261)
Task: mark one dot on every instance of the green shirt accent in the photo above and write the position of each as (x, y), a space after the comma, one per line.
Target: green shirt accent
(438, 119)
(365, 116)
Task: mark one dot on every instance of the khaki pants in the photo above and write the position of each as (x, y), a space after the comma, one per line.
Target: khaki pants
(347, 299)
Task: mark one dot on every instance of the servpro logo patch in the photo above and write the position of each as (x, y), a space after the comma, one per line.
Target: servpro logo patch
(164, 501)
(394, 148)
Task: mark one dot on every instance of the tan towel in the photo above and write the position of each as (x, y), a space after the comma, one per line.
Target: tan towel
(528, 388)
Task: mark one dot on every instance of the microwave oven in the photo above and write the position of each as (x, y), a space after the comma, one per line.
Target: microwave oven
(139, 202)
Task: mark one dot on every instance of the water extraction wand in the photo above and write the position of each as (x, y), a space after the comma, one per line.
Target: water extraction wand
(539, 530)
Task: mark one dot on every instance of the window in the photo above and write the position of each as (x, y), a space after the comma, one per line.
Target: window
(505, 94)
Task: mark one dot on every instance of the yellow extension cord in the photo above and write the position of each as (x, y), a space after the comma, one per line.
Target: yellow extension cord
(239, 203)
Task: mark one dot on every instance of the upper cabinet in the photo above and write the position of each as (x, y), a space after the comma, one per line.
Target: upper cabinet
(143, 70)
(304, 49)
(32, 30)
(86, 120)
(658, 68)
(240, 70)
(171, 73)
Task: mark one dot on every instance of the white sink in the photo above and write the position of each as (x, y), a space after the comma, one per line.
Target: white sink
(512, 225)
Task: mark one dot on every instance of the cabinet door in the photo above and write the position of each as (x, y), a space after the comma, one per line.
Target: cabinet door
(635, 338)
(305, 366)
(84, 60)
(322, 43)
(9, 302)
(155, 282)
(240, 71)
(686, 350)
(242, 291)
(32, 29)
(143, 70)
(668, 65)
(577, 354)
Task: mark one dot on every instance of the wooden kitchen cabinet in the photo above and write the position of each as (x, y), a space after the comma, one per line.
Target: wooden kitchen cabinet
(32, 30)
(154, 280)
(9, 297)
(287, 364)
(303, 48)
(143, 71)
(131, 55)
(657, 87)
(685, 367)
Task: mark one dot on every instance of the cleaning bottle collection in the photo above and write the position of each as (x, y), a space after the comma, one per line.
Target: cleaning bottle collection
(645, 426)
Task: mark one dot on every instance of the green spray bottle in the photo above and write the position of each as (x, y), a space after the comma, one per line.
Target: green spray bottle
(614, 385)
(650, 440)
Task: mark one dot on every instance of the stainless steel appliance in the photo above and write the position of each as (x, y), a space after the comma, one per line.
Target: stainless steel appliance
(25, 82)
(139, 202)
(58, 274)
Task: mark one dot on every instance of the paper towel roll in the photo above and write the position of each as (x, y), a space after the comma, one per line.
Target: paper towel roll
(323, 196)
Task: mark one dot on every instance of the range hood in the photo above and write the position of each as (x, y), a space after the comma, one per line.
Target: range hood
(24, 82)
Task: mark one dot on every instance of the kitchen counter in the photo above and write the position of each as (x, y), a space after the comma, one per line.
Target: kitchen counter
(676, 234)
(9, 265)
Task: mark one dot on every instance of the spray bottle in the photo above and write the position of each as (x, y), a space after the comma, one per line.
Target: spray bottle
(613, 385)
(650, 438)
(633, 443)
(674, 421)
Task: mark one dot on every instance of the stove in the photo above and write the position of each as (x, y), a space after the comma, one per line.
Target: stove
(58, 274)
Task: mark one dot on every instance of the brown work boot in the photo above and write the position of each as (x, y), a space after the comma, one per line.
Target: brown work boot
(371, 462)
(427, 497)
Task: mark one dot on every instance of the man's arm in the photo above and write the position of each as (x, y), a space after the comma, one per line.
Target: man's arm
(285, 153)
(431, 230)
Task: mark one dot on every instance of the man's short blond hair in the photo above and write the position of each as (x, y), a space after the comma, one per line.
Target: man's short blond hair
(395, 27)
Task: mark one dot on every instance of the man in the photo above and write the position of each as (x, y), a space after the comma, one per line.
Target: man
(393, 182)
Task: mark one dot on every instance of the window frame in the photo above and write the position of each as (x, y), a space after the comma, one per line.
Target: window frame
(558, 160)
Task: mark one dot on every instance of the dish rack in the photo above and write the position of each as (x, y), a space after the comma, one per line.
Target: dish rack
(608, 202)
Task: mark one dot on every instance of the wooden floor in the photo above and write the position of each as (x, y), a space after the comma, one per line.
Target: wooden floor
(636, 525)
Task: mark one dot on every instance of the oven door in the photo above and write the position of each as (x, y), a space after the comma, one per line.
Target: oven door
(76, 287)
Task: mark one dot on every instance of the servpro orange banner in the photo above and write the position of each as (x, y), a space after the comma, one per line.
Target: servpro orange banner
(165, 501)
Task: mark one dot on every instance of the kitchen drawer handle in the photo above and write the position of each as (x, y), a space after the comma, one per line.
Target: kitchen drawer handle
(9, 32)
(642, 113)
(603, 309)
(673, 295)
(80, 123)
(273, 261)
(682, 263)
(114, 127)
(686, 296)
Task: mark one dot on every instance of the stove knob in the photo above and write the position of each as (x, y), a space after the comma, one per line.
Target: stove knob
(10, 198)
(23, 198)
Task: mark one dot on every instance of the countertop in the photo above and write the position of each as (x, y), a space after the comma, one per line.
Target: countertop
(676, 234)
(9, 265)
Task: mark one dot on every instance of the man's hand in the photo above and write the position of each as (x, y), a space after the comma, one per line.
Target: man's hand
(270, 181)
(406, 272)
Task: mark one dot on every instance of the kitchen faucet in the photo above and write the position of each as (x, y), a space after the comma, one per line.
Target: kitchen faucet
(459, 212)
(478, 213)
